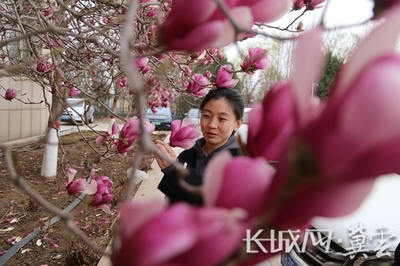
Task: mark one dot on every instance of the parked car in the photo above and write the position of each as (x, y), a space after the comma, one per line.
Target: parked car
(161, 119)
(244, 128)
(362, 238)
(194, 115)
(78, 110)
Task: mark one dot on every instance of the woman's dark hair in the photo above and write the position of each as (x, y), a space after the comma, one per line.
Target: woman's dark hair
(233, 97)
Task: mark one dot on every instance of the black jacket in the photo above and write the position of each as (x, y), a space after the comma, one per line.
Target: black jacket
(196, 162)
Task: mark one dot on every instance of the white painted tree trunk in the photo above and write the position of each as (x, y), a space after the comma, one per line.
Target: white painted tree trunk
(49, 164)
(50, 158)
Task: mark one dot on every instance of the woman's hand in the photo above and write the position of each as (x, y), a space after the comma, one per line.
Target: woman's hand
(167, 151)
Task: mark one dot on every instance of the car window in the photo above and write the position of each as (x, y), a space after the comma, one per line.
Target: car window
(75, 102)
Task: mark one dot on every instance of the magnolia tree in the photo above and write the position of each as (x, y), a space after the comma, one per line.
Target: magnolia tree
(72, 49)
(300, 152)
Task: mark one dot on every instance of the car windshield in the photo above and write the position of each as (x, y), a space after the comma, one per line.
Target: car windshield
(75, 102)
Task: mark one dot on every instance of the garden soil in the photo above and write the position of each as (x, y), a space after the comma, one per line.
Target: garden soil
(21, 215)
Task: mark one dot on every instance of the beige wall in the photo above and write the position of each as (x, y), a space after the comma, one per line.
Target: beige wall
(19, 120)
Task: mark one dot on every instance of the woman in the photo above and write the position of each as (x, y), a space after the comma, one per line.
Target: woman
(221, 116)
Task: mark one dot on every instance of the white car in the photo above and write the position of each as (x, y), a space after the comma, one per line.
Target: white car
(78, 110)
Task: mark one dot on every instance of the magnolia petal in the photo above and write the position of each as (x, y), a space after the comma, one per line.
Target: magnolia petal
(371, 48)
(201, 37)
(243, 17)
(105, 208)
(185, 144)
(71, 172)
(187, 121)
(214, 177)
(220, 231)
(380, 160)
(255, 120)
(129, 219)
(115, 128)
(91, 188)
(378, 88)
(194, 134)
(76, 186)
(270, 10)
(161, 237)
(228, 84)
(185, 16)
(175, 127)
(271, 124)
(324, 199)
(100, 139)
(185, 132)
(308, 49)
(105, 199)
(245, 184)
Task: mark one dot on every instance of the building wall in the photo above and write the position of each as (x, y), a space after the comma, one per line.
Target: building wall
(19, 120)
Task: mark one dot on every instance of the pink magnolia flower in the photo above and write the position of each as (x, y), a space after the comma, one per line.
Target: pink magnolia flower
(183, 133)
(103, 195)
(256, 59)
(107, 136)
(43, 65)
(79, 185)
(198, 86)
(201, 24)
(123, 82)
(10, 94)
(224, 77)
(129, 132)
(74, 91)
(179, 235)
(142, 64)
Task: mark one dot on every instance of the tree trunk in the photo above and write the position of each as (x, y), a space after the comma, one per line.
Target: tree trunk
(50, 158)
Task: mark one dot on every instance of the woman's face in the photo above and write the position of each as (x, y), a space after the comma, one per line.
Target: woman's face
(217, 123)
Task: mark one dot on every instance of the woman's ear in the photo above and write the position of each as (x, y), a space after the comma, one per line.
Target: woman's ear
(238, 123)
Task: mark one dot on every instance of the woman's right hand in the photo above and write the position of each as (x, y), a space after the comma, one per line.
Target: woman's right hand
(167, 151)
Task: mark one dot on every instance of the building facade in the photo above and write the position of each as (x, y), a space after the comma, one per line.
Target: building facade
(25, 118)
